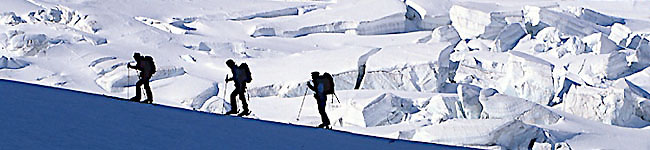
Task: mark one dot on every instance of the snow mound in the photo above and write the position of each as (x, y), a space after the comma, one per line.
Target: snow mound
(107, 64)
(441, 108)
(65, 16)
(12, 63)
(442, 34)
(193, 94)
(509, 134)
(10, 18)
(500, 106)
(118, 78)
(176, 27)
(22, 44)
(387, 109)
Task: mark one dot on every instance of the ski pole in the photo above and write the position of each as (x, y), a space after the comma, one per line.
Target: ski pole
(225, 90)
(337, 98)
(303, 102)
(128, 81)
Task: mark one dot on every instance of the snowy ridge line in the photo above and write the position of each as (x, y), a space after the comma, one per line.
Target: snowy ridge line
(62, 92)
(292, 11)
(177, 27)
(59, 14)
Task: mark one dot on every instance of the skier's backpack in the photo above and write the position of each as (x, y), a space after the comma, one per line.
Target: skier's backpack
(150, 64)
(328, 83)
(244, 73)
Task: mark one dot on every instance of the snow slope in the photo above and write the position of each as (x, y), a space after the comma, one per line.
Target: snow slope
(421, 70)
(37, 117)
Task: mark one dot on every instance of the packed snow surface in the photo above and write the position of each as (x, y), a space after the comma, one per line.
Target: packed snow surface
(82, 120)
(554, 74)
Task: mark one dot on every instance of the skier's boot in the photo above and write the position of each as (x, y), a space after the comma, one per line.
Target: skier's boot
(135, 99)
(324, 125)
(246, 112)
(231, 112)
(147, 101)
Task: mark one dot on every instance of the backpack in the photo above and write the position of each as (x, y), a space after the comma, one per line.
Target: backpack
(150, 64)
(243, 73)
(328, 83)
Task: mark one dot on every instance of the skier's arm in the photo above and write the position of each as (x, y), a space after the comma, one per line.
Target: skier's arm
(136, 67)
(229, 79)
(311, 86)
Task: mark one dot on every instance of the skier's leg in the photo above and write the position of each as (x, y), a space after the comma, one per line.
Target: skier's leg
(242, 97)
(233, 102)
(138, 85)
(322, 100)
(147, 89)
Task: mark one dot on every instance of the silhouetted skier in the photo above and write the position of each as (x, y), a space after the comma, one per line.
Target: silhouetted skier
(147, 68)
(323, 85)
(241, 76)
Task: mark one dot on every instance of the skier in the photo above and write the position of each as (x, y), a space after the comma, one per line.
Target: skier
(147, 68)
(241, 76)
(323, 85)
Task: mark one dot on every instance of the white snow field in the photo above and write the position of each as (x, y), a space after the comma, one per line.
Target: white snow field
(489, 74)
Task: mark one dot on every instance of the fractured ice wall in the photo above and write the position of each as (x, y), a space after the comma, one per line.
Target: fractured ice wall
(480, 20)
(387, 109)
(420, 77)
(595, 17)
(528, 77)
(509, 37)
(564, 22)
(481, 68)
(599, 43)
(469, 96)
(614, 106)
(387, 17)
(433, 13)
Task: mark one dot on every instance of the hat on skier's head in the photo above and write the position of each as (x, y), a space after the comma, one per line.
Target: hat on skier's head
(136, 55)
(315, 74)
(230, 62)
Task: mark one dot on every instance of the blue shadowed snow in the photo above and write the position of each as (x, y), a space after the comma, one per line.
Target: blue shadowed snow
(38, 117)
